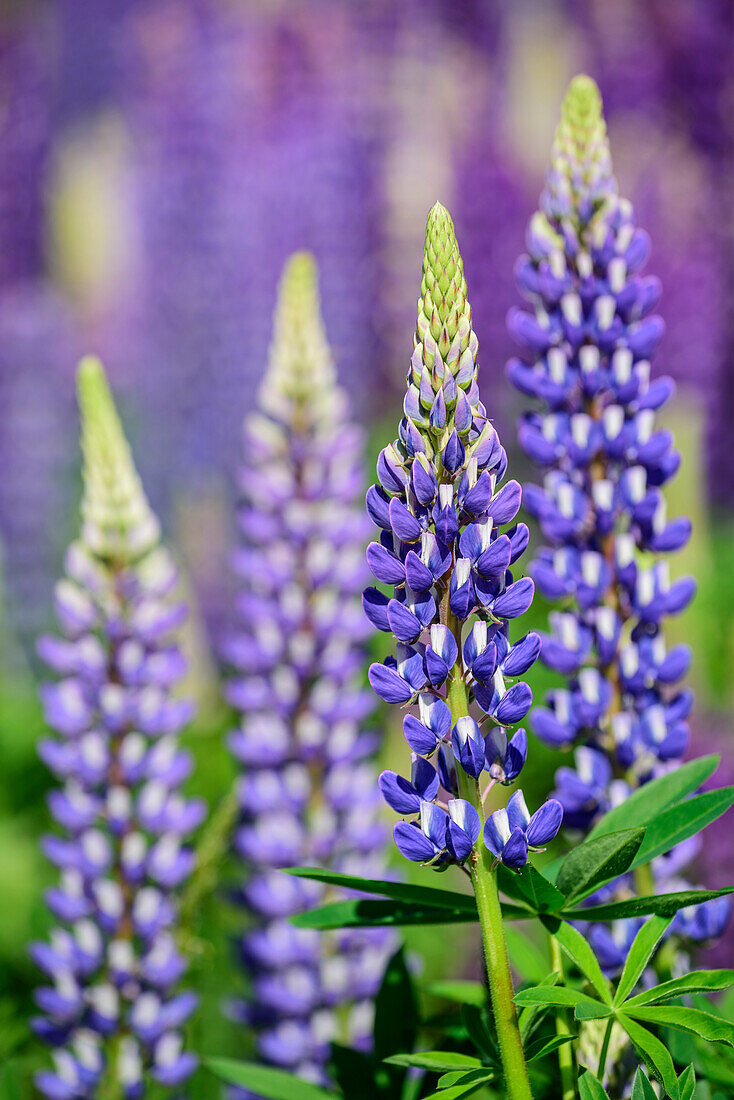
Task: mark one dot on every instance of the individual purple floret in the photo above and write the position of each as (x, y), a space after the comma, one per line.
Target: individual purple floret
(509, 833)
(111, 1008)
(587, 346)
(307, 792)
(445, 549)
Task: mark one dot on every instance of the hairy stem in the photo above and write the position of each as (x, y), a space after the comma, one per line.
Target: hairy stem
(484, 881)
(565, 1053)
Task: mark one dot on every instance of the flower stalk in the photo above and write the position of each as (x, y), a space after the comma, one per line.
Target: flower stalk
(111, 1011)
(306, 795)
(587, 343)
(446, 549)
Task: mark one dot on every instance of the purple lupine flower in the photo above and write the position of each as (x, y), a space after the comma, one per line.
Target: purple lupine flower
(587, 346)
(308, 793)
(111, 1008)
(509, 833)
(447, 542)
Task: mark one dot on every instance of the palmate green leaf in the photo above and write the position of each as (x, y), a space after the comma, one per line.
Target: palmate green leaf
(639, 955)
(462, 991)
(687, 1083)
(665, 905)
(641, 1087)
(678, 823)
(379, 912)
(594, 1011)
(437, 1061)
(272, 1084)
(525, 956)
(562, 996)
(531, 1016)
(643, 805)
(540, 1047)
(590, 1087)
(398, 891)
(714, 1063)
(531, 888)
(374, 912)
(473, 1077)
(711, 1028)
(696, 981)
(597, 861)
(655, 1054)
(457, 1092)
(580, 952)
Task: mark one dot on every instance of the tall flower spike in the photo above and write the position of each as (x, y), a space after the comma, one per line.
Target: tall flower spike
(111, 1010)
(587, 347)
(444, 551)
(308, 792)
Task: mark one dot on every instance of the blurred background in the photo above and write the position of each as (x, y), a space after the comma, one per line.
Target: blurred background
(159, 159)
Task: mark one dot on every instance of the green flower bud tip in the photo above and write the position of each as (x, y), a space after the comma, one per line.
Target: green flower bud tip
(581, 111)
(117, 523)
(443, 330)
(300, 364)
(580, 183)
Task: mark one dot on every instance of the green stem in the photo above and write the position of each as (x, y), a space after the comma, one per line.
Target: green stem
(484, 881)
(644, 882)
(109, 1087)
(604, 1049)
(565, 1053)
(212, 848)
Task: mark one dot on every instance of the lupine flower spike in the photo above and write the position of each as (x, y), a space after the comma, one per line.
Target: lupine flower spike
(447, 545)
(111, 1010)
(587, 346)
(308, 793)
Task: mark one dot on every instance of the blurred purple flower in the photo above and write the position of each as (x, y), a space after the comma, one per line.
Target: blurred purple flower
(308, 792)
(111, 1011)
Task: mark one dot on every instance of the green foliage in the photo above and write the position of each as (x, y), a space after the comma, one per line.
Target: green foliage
(590, 1087)
(666, 905)
(272, 1084)
(641, 1088)
(655, 1054)
(580, 952)
(373, 913)
(648, 1008)
(640, 953)
(395, 1028)
(643, 805)
(437, 1061)
(679, 822)
(588, 866)
(398, 891)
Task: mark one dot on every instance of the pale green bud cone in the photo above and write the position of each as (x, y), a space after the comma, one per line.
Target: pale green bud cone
(301, 379)
(117, 522)
(581, 179)
(442, 394)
